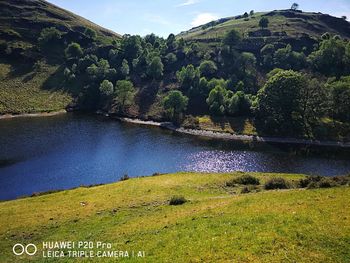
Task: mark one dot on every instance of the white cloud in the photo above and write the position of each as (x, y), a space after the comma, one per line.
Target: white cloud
(188, 2)
(203, 18)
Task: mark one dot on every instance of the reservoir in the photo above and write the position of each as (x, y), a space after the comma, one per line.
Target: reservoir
(72, 150)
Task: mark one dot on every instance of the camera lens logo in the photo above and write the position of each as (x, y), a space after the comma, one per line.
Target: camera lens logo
(20, 249)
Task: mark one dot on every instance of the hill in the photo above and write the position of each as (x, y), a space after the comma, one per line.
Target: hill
(217, 224)
(282, 23)
(25, 70)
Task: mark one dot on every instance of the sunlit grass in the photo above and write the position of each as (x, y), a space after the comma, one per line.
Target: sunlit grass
(217, 224)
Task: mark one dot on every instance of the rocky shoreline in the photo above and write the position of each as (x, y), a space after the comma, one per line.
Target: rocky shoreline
(26, 115)
(234, 137)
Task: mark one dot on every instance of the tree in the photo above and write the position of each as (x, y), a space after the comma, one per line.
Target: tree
(344, 17)
(331, 58)
(264, 22)
(239, 104)
(73, 50)
(132, 47)
(106, 88)
(90, 33)
(208, 68)
(175, 103)
(340, 92)
(279, 108)
(217, 100)
(295, 6)
(125, 92)
(125, 69)
(188, 77)
(49, 35)
(155, 69)
(251, 13)
(231, 39)
(286, 58)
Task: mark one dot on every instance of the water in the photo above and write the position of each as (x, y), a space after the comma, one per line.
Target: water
(66, 151)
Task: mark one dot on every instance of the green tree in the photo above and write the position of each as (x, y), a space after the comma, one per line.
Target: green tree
(156, 67)
(73, 50)
(49, 35)
(340, 92)
(106, 88)
(231, 39)
(264, 22)
(175, 103)
(239, 104)
(279, 106)
(90, 33)
(188, 77)
(295, 6)
(125, 69)
(125, 93)
(132, 47)
(208, 68)
(217, 100)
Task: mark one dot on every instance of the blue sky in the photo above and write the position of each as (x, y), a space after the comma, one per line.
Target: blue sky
(173, 16)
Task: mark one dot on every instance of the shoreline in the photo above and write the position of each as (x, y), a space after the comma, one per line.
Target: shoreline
(233, 137)
(37, 114)
(198, 133)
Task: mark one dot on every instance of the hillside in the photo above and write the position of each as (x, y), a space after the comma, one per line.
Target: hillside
(31, 78)
(219, 223)
(283, 23)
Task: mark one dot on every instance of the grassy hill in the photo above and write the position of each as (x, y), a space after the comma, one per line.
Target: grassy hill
(30, 80)
(283, 23)
(217, 224)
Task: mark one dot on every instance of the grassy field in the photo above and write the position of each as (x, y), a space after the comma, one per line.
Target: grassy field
(26, 92)
(218, 224)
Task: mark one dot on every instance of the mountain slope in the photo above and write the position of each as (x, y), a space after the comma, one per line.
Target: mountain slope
(283, 23)
(32, 80)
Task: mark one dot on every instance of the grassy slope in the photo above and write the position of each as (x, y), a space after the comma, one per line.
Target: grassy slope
(26, 93)
(313, 24)
(215, 226)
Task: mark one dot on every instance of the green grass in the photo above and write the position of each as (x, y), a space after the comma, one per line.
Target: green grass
(216, 224)
(26, 92)
(305, 23)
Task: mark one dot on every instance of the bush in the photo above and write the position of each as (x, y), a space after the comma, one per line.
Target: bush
(312, 182)
(191, 123)
(277, 183)
(244, 179)
(177, 200)
(124, 177)
(308, 180)
(249, 189)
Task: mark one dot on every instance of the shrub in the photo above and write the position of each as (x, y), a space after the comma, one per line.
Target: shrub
(191, 123)
(124, 177)
(277, 183)
(249, 189)
(245, 180)
(177, 200)
(305, 182)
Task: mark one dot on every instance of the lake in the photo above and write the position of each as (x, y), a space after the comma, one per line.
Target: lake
(70, 150)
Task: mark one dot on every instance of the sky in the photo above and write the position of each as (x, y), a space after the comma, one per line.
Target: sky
(163, 17)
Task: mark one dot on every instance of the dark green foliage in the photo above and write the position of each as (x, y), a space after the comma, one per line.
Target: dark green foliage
(132, 47)
(49, 35)
(156, 67)
(231, 39)
(188, 77)
(277, 183)
(340, 92)
(125, 69)
(106, 88)
(208, 68)
(73, 51)
(312, 182)
(295, 6)
(177, 200)
(175, 103)
(245, 180)
(90, 33)
(217, 100)
(125, 92)
(264, 22)
(278, 103)
(286, 58)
